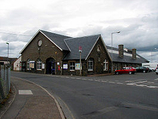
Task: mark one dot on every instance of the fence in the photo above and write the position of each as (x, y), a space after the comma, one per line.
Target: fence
(4, 81)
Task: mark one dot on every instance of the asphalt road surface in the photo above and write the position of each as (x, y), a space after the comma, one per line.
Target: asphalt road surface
(104, 97)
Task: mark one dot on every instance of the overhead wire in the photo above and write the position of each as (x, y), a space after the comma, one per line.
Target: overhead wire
(14, 34)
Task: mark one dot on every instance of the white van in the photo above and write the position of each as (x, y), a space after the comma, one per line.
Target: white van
(156, 70)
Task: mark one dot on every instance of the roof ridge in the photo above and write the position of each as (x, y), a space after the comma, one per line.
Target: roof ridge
(54, 33)
(83, 36)
(67, 45)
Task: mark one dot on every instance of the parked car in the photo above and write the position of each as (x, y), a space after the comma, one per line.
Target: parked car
(156, 70)
(126, 70)
(142, 69)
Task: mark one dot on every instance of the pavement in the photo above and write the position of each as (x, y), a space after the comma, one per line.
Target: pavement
(30, 101)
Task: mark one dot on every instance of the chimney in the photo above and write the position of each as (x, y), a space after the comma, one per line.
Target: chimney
(121, 51)
(133, 53)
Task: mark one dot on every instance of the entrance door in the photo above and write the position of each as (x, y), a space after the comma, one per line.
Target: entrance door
(50, 66)
(23, 68)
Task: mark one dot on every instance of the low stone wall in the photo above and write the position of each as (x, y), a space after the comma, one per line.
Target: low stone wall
(4, 81)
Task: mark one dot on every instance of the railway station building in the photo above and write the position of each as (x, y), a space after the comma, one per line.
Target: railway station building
(52, 53)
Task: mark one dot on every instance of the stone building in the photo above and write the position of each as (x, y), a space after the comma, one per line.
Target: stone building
(9, 61)
(52, 53)
(122, 57)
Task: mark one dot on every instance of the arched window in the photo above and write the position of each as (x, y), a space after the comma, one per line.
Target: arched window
(90, 64)
(39, 64)
(28, 64)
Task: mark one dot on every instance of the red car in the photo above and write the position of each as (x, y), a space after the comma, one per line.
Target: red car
(126, 70)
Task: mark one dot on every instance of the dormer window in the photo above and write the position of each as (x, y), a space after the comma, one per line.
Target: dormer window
(98, 49)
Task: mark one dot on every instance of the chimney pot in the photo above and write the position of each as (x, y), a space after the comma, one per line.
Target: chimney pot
(133, 53)
(121, 51)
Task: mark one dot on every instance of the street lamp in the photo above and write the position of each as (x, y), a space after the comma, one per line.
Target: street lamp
(80, 51)
(8, 52)
(112, 49)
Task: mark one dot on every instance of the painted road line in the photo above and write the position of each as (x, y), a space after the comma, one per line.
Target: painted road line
(119, 83)
(103, 81)
(152, 86)
(128, 81)
(25, 92)
(144, 107)
(138, 80)
(84, 79)
(79, 78)
(141, 85)
(131, 84)
(142, 81)
(97, 80)
(111, 82)
(73, 78)
(156, 79)
(90, 79)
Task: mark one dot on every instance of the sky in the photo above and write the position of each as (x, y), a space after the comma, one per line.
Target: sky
(137, 21)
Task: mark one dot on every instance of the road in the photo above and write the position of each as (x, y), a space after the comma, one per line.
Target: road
(104, 97)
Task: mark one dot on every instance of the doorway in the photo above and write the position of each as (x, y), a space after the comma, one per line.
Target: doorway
(50, 66)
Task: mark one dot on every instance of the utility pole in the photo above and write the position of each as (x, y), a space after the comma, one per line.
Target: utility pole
(7, 53)
(112, 49)
(80, 51)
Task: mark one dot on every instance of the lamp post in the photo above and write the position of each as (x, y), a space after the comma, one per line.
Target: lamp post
(112, 49)
(7, 52)
(8, 71)
(80, 51)
(56, 64)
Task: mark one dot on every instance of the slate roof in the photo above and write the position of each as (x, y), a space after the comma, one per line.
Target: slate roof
(66, 43)
(87, 43)
(127, 58)
(57, 39)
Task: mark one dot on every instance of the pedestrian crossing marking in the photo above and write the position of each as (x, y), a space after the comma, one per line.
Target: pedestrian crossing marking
(25, 92)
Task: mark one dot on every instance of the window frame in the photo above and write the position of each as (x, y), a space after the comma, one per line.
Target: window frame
(28, 64)
(39, 64)
(90, 64)
(72, 66)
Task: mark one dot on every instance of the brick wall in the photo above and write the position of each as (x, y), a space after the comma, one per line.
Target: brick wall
(99, 54)
(47, 50)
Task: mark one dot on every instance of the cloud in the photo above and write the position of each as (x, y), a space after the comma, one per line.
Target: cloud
(136, 20)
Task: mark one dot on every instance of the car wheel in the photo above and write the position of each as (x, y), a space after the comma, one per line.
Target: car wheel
(117, 73)
(130, 72)
(143, 71)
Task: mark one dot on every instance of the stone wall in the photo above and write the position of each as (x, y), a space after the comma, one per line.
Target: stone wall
(4, 81)
(47, 50)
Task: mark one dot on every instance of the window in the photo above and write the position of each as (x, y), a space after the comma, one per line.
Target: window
(72, 66)
(105, 65)
(90, 65)
(28, 64)
(39, 64)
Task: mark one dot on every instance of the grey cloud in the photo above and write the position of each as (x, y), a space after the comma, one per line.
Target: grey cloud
(139, 31)
(3, 49)
(14, 37)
